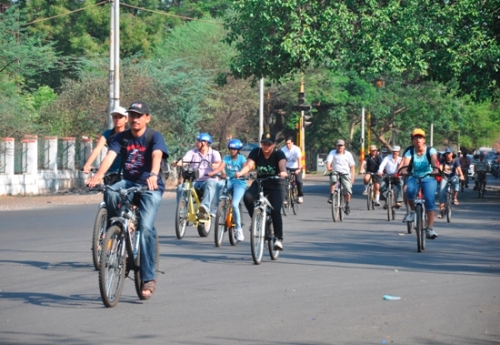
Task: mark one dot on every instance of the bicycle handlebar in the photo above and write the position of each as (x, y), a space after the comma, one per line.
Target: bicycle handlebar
(432, 173)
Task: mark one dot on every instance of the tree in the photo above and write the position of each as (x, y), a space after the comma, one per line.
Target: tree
(424, 39)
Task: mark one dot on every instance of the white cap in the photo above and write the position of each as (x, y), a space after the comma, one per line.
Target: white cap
(120, 110)
(396, 148)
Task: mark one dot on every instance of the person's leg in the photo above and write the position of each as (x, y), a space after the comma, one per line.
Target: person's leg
(249, 197)
(300, 183)
(345, 180)
(429, 187)
(148, 206)
(209, 192)
(398, 190)
(376, 189)
(455, 187)
(112, 198)
(238, 192)
(274, 196)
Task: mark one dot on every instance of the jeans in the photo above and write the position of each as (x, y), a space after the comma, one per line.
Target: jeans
(443, 187)
(148, 206)
(237, 190)
(397, 186)
(209, 188)
(429, 186)
(274, 192)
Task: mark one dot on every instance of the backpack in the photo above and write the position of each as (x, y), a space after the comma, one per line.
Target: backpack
(412, 152)
(164, 166)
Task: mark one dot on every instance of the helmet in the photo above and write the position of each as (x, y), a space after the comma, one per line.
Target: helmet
(234, 144)
(204, 137)
(418, 131)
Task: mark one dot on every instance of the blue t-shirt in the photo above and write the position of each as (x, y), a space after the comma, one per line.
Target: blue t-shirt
(421, 166)
(233, 166)
(137, 167)
(107, 134)
(450, 168)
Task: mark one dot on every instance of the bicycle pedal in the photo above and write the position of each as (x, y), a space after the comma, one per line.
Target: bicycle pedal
(162, 272)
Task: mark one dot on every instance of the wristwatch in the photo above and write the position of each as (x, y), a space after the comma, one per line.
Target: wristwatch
(153, 174)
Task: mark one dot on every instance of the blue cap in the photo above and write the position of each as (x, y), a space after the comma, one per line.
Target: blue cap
(448, 150)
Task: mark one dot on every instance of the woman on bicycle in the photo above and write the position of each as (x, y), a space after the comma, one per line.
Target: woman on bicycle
(453, 171)
(230, 165)
(269, 162)
(419, 164)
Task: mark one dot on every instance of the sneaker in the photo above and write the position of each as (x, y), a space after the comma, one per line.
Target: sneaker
(377, 203)
(398, 205)
(347, 210)
(278, 245)
(212, 215)
(365, 191)
(203, 212)
(386, 207)
(330, 200)
(285, 203)
(431, 234)
(238, 234)
(410, 217)
(300, 200)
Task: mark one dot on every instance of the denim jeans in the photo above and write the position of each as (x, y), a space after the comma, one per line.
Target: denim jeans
(209, 188)
(443, 187)
(148, 206)
(429, 186)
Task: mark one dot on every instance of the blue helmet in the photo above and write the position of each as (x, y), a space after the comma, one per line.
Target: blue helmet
(204, 137)
(234, 144)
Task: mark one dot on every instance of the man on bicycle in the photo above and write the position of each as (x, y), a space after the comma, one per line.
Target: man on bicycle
(141, 167)
(293, 156)
(481, 167)
(269, 162)
(453, 172)
(390, 166)
(371, 164)
(205, 160)
(464, 165)
(341, 161)
(230, 165)
(419, 164)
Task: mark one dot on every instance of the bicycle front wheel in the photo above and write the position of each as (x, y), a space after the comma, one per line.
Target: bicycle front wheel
(100, 224)
(112, 267)
(232, 229)
(341, 205)
(273, 253)
(181, 215)
(389, 205)
(336, 207)
(137, 275)
(294, 200)
(286, 202)
(419, 229)
(257, 235)
(448, 207)
(369, 197)
(220, 222)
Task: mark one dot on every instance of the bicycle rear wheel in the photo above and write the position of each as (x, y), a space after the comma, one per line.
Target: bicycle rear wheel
(181, 215)
(257, 235)
(100, 224)
(390, 205)
(274, 254)
(369, 196)
(220, 222)
(294, 200)
(112, 267)
(286, 202)
(336, 206)
(231, 234)
(137, 275)
(419, 229)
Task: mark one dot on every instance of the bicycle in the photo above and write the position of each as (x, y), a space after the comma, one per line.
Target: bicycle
(189, 204)
(338, 198)
(481, 184)
(261, 229)
(121, 249)
(391, 198)
(448, 206)
(420, 219)
(291, 195)
(224, 219)
(370, 193)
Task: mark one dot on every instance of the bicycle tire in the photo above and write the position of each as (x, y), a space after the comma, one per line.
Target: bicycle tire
(449, 207)
(335, 206)
(204, 228)
(409, 227)
(100, 224)
(113, 266)
(368, 196)
(294, 200)
(137, 273)
(419, 226)
(257, 235)
(389, 205)
(231, 230)
(286, 202)
(341, 205)
(220, 222)
(181, 214)
(274, 254)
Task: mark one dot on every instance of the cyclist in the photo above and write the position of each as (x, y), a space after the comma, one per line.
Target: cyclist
(141, 167)
(451, 168)
(205, 159)
(464, 165)
(481, 167)
(420, 160)
(341, 161)
(120, 117)
(390, 165)
(293, 156)
(269, 162)
(371, 164)
(231, 164)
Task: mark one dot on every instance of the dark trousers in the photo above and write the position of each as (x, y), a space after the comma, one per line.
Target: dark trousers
(274, 193)
(298, 179)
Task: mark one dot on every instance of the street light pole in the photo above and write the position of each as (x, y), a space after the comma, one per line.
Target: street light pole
(111, 76)
(116, 100)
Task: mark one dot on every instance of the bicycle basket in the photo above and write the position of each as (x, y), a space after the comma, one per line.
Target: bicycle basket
(190, 174)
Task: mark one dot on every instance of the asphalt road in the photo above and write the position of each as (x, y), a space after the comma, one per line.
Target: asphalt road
(326, 288)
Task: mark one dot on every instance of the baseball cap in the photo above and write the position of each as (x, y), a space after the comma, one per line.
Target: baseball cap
(120, 110)
(418, 132)
(396, 148)
(373, 147)
(139, 107)
(268, 137)
(448, 150)
(340, 142)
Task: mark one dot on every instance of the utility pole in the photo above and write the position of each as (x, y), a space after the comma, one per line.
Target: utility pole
(302, 107)
(114, 60)
(362, 140)
(369, 132)
(261, 109)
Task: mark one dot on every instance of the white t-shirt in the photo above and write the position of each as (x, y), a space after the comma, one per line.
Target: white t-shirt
(292, 156)
(389, 165)
(341, 163)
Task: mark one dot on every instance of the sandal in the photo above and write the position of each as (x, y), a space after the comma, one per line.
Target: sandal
(148, 288)
(455, 202)
(440, 214)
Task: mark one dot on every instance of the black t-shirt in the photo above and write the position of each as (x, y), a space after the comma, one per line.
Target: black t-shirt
(372, 164)
(266, 166)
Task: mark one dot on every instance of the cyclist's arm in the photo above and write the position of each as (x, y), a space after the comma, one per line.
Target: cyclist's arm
(95, 152)
(362, 168)
(382, 166)
(459, 172)
(282, 166)
(352, 173)
(152, 180)
(434, 162)
(105, 164)
(219, 169)
(246, 168)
